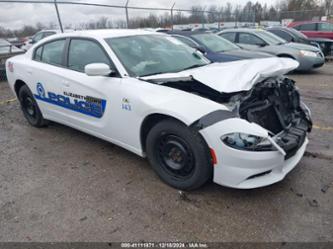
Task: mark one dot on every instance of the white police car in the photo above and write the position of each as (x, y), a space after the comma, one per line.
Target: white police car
(240, 123)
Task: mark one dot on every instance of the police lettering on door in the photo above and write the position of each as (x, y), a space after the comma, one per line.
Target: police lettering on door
(87, 105)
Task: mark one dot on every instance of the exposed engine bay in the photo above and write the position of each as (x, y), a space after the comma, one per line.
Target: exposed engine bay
(274, 104)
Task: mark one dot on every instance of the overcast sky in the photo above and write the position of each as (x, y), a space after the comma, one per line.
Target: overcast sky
(14, 16)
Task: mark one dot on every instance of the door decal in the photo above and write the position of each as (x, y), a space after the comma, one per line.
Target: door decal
(87, 105)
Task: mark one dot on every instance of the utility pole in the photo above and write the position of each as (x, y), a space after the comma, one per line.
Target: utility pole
(127, 18)
(58, 15)
(172, 15)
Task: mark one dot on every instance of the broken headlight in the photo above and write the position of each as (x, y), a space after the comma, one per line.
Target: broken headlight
(242, 141)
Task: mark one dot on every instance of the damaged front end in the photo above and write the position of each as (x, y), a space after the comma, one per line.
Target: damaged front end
(275, 105)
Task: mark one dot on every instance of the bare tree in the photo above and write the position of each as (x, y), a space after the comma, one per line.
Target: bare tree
(328, 7)
(212, 14)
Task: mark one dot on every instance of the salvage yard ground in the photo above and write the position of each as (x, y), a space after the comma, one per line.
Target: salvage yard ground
(58, 184)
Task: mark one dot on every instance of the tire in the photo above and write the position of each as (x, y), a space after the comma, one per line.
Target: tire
(178, 155)
(30, 108)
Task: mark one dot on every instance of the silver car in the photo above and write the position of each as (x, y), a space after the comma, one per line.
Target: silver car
(309, 57)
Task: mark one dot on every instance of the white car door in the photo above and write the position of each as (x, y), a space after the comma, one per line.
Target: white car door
(46, 76)
(89, 98)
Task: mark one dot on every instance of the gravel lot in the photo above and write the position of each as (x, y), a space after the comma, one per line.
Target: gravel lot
(58, 184)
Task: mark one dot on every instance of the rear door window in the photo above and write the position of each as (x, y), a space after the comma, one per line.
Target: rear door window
(53, 52)
(283, 35)
(229, 36)
(325, 27)
(307, 27)
(250, 39)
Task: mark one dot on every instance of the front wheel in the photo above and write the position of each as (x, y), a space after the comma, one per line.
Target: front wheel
(179, 155)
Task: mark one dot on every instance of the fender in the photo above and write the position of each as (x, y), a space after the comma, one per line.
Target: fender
(158, 99)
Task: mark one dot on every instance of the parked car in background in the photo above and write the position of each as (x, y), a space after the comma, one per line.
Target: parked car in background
(162, 30)
(41, 35)
(17, 42)
(293, 35)
(314, 29)
(309, 57)
(7, 50)
(214, 47)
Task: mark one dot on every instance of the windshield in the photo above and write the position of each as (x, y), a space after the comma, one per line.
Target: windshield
(298, 33)
(270, 38)
(215, 43)
(144, 55)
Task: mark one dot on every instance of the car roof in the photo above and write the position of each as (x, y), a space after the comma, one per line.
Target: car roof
(187, 33)
(58, 31)
(287, 29)
(278, 27)
(106, 33)
(242, 30)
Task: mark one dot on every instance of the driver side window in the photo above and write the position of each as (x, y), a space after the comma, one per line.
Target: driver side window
(250, 39)
(83, 52)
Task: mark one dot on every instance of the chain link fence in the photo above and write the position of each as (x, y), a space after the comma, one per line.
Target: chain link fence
(169, 17)
(3, 76)
(3, 59)
(303, 15)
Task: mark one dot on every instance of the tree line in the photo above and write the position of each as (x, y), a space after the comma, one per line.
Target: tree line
(250, 12)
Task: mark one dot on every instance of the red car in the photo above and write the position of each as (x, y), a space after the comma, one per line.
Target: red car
(315, 29)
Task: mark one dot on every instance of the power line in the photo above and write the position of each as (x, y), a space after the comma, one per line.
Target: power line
(105, 5)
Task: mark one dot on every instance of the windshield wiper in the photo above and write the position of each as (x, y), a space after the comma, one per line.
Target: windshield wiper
(193, 66)
(187, 68)
(151, 74)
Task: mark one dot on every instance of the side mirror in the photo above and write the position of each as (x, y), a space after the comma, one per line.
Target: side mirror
(261, 45)
(97, 69)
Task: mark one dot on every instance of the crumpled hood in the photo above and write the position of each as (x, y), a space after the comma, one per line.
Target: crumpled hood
(233, 76)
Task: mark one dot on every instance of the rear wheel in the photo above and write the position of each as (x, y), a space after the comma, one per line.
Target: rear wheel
(178, 155)
(30, 108)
